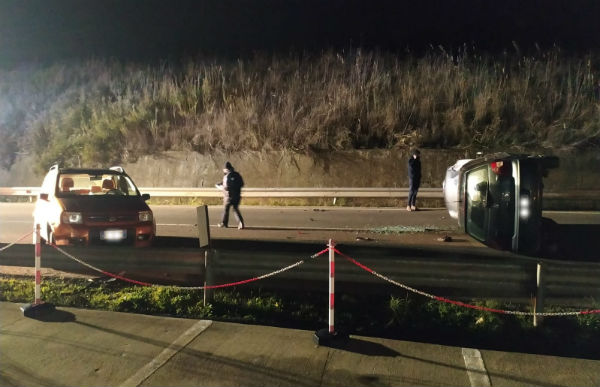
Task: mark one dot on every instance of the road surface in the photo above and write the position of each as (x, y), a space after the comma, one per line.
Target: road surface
(16, 220)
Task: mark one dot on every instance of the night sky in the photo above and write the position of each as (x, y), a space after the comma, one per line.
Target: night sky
(141, 30)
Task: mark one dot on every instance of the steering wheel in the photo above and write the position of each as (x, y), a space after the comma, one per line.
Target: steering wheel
(114, 192)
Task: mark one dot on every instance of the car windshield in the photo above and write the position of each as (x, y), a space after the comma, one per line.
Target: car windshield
(79, 184)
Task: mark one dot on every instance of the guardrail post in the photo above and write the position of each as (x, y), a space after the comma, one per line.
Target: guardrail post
(538, 301)
(38, 307)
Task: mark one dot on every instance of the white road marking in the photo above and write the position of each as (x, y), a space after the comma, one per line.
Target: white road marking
(146, 371)
(478, 375)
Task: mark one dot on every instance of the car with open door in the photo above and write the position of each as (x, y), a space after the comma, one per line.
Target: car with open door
(93, 206)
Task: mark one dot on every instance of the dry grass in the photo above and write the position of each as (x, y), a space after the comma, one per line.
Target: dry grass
(100, 112)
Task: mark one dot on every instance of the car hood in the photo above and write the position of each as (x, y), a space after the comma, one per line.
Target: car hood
(104, 204)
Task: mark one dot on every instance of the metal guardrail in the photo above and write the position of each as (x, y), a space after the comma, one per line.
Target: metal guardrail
(435, 193)
(19, 191)
(430, 193)
(296, 192)
(449, 272)
(493, 274)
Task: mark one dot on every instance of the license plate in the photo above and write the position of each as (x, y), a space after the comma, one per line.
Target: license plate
(113, 235)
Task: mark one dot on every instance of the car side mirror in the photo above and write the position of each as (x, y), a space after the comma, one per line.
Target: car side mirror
(146, 197)
(44, 196)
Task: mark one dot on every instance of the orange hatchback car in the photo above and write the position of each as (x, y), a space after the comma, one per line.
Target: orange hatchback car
(88, 206)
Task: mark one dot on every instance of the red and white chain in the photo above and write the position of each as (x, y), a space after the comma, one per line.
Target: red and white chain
(459, 303)
(188, 287)
(15, 242)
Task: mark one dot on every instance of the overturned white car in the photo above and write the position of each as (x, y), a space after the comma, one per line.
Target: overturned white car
(497, 199)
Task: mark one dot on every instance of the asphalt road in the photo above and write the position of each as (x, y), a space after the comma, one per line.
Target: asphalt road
(16, 219)
(276, 237)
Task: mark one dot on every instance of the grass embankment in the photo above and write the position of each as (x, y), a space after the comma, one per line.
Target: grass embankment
(397, 315)
(101, 112)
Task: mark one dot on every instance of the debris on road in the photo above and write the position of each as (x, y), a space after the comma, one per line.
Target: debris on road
(359, 238)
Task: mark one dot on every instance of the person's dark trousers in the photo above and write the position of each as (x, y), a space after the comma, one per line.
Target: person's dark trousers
(413, 188)
(236, 211)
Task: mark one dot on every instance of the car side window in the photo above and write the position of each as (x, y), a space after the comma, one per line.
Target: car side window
(476, 203)
(127, 186)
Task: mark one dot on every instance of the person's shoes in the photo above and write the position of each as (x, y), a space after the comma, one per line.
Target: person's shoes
(241, 226)
(408, 208)
(222, 225)
(413, 208)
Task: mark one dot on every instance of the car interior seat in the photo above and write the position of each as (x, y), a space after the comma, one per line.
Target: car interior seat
(108, 184)
(66, 184)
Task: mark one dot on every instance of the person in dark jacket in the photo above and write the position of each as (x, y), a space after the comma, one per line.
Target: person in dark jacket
(414, 179)
(232, 195)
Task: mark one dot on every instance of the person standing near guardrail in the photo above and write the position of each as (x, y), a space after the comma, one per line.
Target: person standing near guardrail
(232, 195)
(414, 179)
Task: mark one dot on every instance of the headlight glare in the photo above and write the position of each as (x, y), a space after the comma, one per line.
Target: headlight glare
(525, 202)
(72, 217)
(145, 216)
(524, 207)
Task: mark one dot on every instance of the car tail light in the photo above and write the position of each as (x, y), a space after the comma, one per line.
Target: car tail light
(501, 168)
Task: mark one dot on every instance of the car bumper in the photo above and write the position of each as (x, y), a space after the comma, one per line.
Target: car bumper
(140, 235)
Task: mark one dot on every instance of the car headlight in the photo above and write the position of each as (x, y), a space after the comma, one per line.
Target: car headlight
(145, 216)
(71, 217)
(524, 210)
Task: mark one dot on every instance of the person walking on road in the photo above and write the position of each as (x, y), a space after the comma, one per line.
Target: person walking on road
(414, 179)
(232, 195)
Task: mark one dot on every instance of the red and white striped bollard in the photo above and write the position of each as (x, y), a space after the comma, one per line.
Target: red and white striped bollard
(331, 286)
(38, 307)
(329, 336)
(38, 269)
